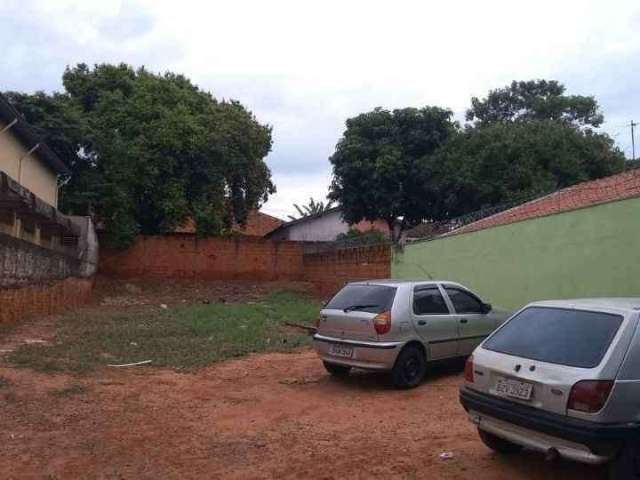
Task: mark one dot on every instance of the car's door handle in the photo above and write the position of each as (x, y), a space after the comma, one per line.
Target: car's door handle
(422, 322)
(463, 320)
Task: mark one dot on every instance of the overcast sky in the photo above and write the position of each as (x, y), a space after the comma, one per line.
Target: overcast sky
(305, 66)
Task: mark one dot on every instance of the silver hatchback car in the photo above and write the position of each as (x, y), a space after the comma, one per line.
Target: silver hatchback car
(399, 326)
(562, 377)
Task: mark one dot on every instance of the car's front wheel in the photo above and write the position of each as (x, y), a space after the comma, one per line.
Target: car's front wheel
(626, 465)
(337, 370)
(410, 367)
(498, 444)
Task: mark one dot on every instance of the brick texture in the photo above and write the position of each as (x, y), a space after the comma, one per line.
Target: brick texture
(185, 256)
(329, 271)
(245, 258)
(609, 189)
(43, 299)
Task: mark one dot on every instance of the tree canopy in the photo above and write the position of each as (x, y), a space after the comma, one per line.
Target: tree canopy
(509, 163)
(535, 100)
(382, 166)
(414, 165)
(148, 151)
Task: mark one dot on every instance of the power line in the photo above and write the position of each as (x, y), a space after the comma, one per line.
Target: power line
(633, 142)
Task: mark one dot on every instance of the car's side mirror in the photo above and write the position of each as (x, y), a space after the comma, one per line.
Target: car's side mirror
(486, 307)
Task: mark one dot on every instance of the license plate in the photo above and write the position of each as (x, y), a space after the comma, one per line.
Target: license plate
(338, 350)
(514, 388)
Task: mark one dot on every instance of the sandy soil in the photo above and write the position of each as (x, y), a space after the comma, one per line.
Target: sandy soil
(266, 416)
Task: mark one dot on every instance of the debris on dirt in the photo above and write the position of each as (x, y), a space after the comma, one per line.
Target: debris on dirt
(135, 364)
(300, 381)
(163, 306)
(206, 301)
(309, 328)
(31, 341)
(222, 300)
(4, 382)
(446, 455)
(132, 289)
(74, 389)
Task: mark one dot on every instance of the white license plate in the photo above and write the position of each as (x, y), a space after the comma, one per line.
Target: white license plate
(338, 350)
(514, 388)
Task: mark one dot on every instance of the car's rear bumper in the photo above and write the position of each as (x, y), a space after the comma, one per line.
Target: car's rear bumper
(572, 438)
(368, 355)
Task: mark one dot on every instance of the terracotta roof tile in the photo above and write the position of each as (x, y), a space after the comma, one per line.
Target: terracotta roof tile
(609, 189)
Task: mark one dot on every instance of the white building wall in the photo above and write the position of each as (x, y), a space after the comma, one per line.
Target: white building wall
(321, 229)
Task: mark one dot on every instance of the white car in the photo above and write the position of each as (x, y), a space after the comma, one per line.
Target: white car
(562, 377)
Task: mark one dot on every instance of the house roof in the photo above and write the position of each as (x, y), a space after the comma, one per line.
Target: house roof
(604, 190)
(258, 224)
(305, 219)
(29, 138)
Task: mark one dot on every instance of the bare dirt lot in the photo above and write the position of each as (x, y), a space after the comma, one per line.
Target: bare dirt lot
(266, 416)
(269, 415)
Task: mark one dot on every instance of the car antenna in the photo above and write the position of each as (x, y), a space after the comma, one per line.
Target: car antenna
(424, 271)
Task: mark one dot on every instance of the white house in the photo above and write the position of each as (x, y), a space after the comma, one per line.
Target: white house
(322, 227)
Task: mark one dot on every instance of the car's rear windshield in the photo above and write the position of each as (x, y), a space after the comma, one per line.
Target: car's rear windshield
(575, 338)
(363, 298)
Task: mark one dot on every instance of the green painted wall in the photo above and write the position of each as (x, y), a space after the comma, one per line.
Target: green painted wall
(584, 253)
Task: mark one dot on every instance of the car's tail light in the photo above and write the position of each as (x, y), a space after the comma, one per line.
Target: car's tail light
(468, 369)
(382, 323)
(589, 395)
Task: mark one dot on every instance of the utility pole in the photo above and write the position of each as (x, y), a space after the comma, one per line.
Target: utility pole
(633, 142)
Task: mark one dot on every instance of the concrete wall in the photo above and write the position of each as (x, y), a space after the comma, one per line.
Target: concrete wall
(589, 252)
(23, 263)
(38, 280)
(32, 174)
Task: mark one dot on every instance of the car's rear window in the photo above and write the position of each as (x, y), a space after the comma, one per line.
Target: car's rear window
(575, 338)
(363, 298)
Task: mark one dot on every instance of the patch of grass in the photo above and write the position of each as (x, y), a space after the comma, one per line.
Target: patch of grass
(185, 337)
(73, 389)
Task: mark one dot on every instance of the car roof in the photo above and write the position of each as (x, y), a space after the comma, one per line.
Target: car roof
(617, 303)
(393, 282)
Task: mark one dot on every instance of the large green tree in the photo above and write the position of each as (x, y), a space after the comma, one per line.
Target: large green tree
(383, 166)
(512, 162)
(535, 100)
(147, 151)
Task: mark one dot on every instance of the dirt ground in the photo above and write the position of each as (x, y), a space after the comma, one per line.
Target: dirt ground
(266, 416)
(276, 415)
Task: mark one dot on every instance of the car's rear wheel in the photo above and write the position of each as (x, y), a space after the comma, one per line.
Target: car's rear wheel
(410, 367)
(498, 444)
(337, 370)
(626, 465)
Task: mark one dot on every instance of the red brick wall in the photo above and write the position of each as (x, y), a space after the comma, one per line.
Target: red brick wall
(184, 256)
(43, 299)
(331, 270)
(245, 258)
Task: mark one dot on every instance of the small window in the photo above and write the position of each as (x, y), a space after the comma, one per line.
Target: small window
(364, 298)
(429, 301)
(464, 302)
